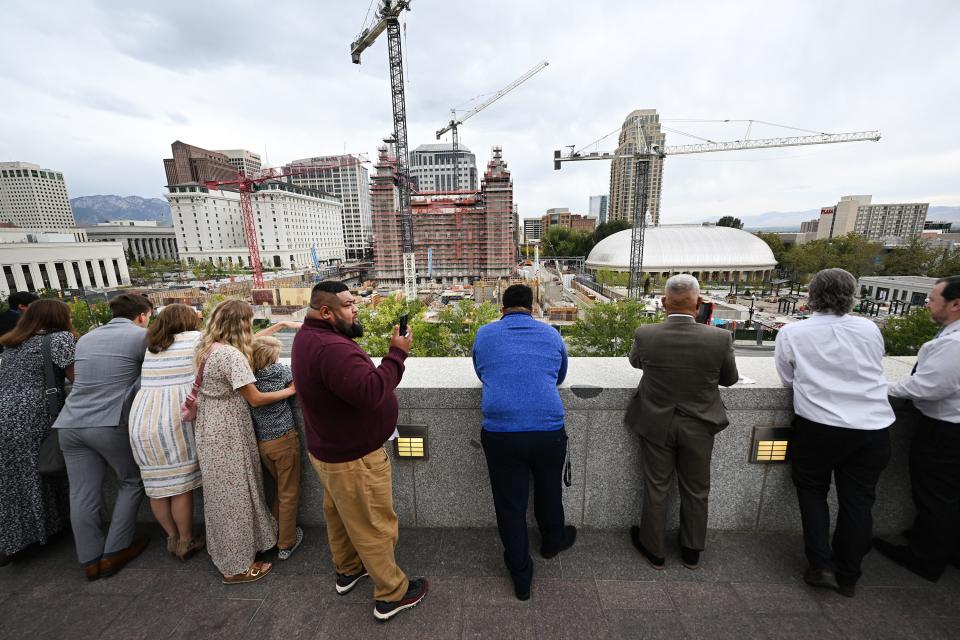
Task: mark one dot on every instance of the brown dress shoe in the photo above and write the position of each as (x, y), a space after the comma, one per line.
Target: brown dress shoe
(109, 565)
(92, 570)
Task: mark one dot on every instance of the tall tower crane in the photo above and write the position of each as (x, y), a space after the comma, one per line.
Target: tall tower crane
(388, 18)
(455, 123)
(646, 152)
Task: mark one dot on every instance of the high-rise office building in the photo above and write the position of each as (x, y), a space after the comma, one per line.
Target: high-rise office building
(809, 226)
(623, 170)
(346, 178)
(245, 162)
(532, 229)
(193, 164)
(34, 197)
(888, 223)
(432, 167)
(458, 237)
(290, 220)
(598, 208)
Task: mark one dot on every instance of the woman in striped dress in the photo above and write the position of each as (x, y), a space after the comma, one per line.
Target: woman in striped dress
(163, 446)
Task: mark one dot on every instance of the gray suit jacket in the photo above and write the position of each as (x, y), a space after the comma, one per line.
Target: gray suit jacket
(682, 362)
(106, 376)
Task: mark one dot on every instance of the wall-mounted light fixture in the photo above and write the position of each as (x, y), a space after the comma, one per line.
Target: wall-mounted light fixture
(770, 445)
(412, 442)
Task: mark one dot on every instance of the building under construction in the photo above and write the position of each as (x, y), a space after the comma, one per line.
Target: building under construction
(459, 236)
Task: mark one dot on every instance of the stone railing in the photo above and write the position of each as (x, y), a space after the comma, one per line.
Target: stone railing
(451, 488)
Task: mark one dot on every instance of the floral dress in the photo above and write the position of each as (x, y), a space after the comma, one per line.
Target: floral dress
(32, 507)
(238, 521)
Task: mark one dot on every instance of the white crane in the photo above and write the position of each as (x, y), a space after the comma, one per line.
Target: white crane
(454, 123)
(646, 152)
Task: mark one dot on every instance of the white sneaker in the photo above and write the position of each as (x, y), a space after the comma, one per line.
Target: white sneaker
(284, 554)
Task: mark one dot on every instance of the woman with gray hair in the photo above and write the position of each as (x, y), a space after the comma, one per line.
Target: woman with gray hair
(833, 363)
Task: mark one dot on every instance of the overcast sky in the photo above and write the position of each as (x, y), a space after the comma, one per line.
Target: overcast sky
(99, 90)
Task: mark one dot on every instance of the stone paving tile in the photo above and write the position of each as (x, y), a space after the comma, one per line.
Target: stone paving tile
(762, 557)
(633, 594)
(478, 552)
(807, 626)
(206, 617)
(508, 622)
(568, 609)
(418, 551)
(629, 624)
(39, 617)
(777, 598)
(607, 555)
(704, 598)
(739, 626)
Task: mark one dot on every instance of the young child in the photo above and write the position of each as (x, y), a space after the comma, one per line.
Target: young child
(278, 442)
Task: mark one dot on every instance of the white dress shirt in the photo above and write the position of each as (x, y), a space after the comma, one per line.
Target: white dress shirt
(935, 386)
(835, 366)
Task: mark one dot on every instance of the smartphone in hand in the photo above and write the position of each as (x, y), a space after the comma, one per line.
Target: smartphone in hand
(403, 324)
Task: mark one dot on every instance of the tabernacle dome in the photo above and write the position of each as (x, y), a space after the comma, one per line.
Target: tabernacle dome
(709, 253)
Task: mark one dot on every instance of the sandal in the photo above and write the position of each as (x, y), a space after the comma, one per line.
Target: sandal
(253, 573)
(184, 549)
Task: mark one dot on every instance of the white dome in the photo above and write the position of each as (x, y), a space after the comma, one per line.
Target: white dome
(684, 247)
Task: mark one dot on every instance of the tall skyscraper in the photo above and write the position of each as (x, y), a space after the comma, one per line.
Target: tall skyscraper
(532, 229)
(193, 164)
(598, 208)
(623, 170)
(457, 237)
(432, 167)
(245, 162)
(890, 223)
(347, 179)
(34, 197)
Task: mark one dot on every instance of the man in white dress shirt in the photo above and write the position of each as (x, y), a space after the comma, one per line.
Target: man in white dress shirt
(833, 362)
(934, 388)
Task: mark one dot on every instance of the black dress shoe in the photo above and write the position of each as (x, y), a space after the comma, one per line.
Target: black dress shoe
(820, 578)
(690, 558)
(847, 589)
(569, 537)
(903, 556)
(522, 593)
(656, 562)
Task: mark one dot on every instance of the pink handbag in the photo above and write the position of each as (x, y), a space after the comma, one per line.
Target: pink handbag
(188, 410)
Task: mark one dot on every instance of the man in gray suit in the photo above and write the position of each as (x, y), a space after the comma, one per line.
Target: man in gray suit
(94, 434)
(676, 412)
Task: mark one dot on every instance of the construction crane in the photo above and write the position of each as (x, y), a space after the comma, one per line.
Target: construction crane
(454, 123)
(645, 153)
(388, 18)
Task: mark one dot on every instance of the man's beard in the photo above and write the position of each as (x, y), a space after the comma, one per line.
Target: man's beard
(352, 331)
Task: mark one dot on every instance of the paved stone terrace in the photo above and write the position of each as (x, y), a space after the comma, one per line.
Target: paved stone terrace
(749, 587)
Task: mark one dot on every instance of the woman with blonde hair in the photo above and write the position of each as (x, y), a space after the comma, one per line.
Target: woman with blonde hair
(33, 508)
(162, 444)
(239, 523)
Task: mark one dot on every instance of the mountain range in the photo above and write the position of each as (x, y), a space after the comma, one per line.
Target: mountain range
(790, 220)
(89, 210)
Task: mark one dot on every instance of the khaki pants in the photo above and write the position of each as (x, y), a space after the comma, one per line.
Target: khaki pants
(361, 524)
(281, 457)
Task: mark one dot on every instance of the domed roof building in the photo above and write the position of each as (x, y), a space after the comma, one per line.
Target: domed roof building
(709, 253)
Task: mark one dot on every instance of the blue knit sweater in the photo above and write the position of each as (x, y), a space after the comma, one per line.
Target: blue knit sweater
(520, 362)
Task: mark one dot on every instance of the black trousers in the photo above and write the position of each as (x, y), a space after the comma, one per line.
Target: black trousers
(511, 457)
(935, 480)
(855, 458)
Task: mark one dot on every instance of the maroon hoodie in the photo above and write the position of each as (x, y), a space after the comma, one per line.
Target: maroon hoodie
(349, 405)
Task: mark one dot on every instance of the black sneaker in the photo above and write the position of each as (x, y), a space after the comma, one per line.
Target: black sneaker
(345, 583)
(690, 558)
(418, 588)
(656, 562)
(569, 537)
(820, 578)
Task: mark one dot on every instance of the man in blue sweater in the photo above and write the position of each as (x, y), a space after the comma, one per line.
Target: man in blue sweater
(520, 362)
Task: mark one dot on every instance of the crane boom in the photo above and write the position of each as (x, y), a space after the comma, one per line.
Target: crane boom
(645, 153)
(389, 20)
(489, 101)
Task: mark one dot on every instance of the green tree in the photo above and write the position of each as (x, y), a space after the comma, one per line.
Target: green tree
(730, 221)
(857, 255)
(912, 259)
(611, 277)
(86, 317)
(560, 241)
(607, 329)
(461, 321)
(775, 243)
(944, 262)
(609, 228)
(378, 322)
(905, 335)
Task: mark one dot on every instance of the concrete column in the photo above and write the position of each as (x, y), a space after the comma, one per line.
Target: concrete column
(124, 272)
(71, 276)
(111, 275)
(35, 274)
(98, 275)
(18, 279)
(54, 278)
(84, 276)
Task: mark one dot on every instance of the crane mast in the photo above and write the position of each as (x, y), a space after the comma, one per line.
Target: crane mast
(389, 21)
(454, 123)
(645, 153)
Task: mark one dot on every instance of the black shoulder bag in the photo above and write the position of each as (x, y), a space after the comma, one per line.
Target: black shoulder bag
(51, 460)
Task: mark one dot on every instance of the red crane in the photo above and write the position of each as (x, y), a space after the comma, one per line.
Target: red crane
(246, 185)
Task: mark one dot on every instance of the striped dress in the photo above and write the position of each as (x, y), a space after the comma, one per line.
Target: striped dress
(163, 447)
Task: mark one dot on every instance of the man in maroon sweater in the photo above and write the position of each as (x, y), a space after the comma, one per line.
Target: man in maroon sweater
(350, 410)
